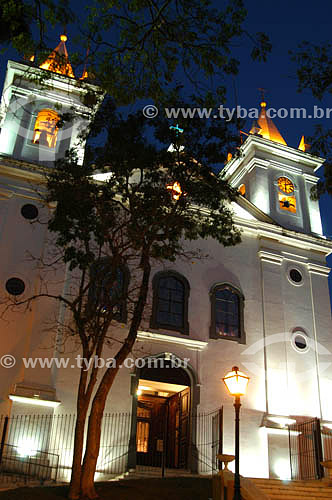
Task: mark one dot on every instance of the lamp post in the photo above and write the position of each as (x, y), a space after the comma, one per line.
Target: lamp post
(236, 383)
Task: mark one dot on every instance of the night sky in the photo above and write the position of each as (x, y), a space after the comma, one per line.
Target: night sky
(287, 23)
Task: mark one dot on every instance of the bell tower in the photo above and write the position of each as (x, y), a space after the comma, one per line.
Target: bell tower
(34, 134)
(277, 178)
(34, 103)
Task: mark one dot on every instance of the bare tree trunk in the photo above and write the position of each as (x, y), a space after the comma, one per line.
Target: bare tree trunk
(88, 491)
(82, 408)
(91, 455)
(94, 429)
(75, 480)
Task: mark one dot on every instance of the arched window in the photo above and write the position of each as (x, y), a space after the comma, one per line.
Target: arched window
(108, 291)
(170, 302)
(45, 130)
(227, 304)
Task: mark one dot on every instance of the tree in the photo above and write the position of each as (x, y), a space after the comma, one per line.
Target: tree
(154, 199)
(133, 220)
(146, 48)
(14, 22)
(23, 23)
(314, 73)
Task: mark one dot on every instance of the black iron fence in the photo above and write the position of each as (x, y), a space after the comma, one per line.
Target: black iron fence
(209, 443)
(40, 447)
(310, 443)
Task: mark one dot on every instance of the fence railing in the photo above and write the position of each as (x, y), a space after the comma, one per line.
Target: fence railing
(29, 463)
(41, 446)
(310, 443)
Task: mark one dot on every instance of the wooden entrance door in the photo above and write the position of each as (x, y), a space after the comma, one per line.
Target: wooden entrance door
(163, 426)
(184, 427)
(151, 428)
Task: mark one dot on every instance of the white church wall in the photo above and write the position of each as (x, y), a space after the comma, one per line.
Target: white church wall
(259, 193)
(283, 380)
(301, 367)
(19, 240)
(313, 208)
(323, 335)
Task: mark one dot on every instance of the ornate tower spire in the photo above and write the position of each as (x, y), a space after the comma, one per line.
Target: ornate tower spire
(267, 128)
(58, 60)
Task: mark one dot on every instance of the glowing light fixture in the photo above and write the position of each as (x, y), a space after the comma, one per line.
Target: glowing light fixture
(102, 176)
(26, 448)
(236, 382)
(175, 189)
(282, 469)
(282, 420)
(34, 401)
(144, 388)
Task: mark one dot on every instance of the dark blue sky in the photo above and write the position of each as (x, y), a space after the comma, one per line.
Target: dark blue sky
(287, 22)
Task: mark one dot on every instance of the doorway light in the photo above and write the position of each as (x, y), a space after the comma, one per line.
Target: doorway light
(144, 388)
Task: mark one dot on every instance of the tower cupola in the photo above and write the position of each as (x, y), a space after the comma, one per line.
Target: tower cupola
(277, 178)
(34, 102)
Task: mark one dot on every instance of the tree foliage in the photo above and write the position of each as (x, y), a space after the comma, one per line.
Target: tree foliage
(314, 68)
(135, 219)
(314, 73)
(138, 49)
(146, 48)
(15, 22)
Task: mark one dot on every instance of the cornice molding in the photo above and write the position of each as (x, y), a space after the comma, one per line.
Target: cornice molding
(314, 268)
(271, 258)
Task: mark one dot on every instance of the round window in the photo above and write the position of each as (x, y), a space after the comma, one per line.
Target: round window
(295, 276)
(29, 211)
(300, 342)
(15, 286)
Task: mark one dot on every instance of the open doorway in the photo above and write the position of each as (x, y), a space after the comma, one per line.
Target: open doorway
(163, 417)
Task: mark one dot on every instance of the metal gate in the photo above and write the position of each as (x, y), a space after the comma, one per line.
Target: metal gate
(305, 448)
(209, 441)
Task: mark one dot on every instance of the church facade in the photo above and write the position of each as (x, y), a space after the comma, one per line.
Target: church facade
(263, 305)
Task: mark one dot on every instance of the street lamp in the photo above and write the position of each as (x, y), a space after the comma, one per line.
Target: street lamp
(236, 383)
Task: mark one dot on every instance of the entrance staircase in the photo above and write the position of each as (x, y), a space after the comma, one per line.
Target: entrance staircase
(142, 471)
(275, 489)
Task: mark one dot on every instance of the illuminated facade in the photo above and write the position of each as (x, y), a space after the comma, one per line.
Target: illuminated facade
(262, 305)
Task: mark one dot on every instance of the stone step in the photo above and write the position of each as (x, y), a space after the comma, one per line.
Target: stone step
(275, 489)
(153, 472)
(292, 496)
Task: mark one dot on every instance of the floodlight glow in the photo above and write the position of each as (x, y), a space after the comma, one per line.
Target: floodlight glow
(282, 469)
(34, 401)
(102, 176)
(27, 448)
(282, 420)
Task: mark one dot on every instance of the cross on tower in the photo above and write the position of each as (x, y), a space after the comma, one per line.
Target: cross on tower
(177, 129)
(262, 91)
